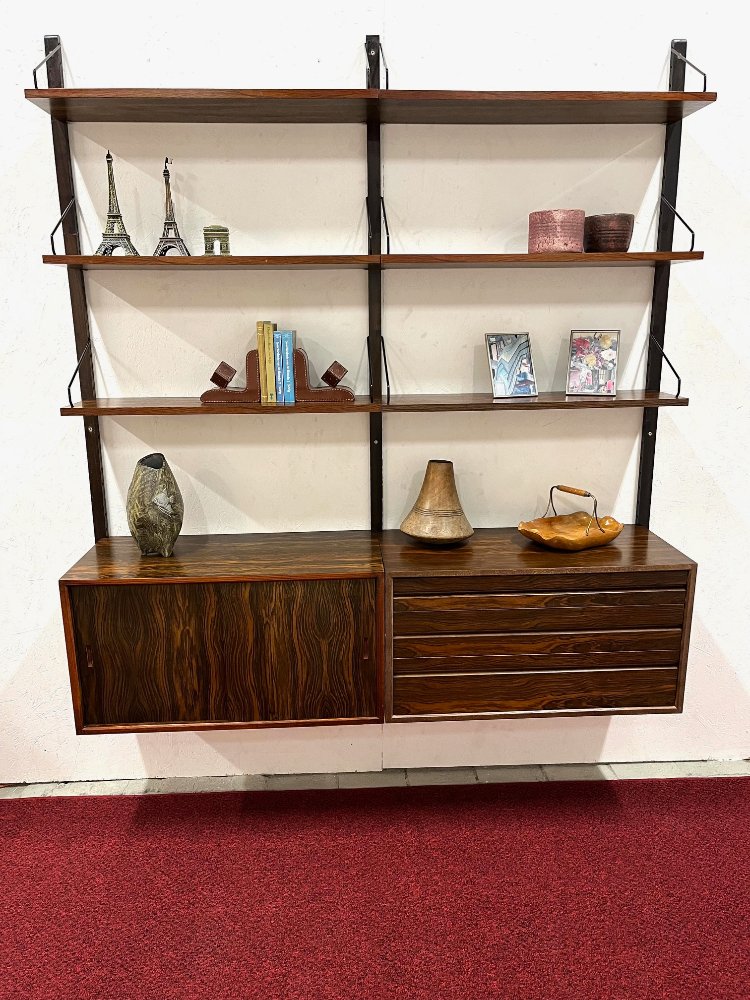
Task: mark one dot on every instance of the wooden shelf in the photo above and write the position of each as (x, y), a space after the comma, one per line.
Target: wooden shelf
(187, 406)
(310, 262)
(144, 104)
(479, 260)
(426, 403)
(313, 262)
(476, 401)
(415, 107)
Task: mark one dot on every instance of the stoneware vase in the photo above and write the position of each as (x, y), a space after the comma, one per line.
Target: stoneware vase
(437, 517)
(608, 233)
(154, 506)
(559, 230)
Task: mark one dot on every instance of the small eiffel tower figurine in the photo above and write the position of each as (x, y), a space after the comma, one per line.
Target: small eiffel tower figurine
(170, 238)
(114, 235)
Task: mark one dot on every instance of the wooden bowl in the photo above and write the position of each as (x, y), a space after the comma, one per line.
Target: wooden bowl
(608, 233)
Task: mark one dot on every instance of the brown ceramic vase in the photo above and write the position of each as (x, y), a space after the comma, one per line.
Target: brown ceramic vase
(437, 517)
(608, 233)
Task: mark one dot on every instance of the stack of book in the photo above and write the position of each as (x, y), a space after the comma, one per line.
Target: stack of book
(276, 363)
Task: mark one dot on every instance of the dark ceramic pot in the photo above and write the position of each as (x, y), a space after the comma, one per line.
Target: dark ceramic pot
(608, 233)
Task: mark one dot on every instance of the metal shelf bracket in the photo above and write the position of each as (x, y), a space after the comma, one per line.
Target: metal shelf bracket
(43, 62)
(673, 210)
(83, 354)
(672, 367)
(679, 55)
(68, 207)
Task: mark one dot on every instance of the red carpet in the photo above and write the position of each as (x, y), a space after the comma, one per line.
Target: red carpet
(612, 890)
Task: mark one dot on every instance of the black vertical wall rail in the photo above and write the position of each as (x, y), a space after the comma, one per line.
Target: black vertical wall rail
(77, 286)
(374, 285)
(660, 296)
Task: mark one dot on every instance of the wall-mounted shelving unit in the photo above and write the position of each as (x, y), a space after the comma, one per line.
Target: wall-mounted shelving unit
(375, 645)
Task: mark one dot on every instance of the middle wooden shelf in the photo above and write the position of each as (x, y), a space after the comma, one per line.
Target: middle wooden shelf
(422, 403)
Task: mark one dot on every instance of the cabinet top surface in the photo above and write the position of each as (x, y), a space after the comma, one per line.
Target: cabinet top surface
(504, 551)
(323, 554)
(356, 106)
(287, 555)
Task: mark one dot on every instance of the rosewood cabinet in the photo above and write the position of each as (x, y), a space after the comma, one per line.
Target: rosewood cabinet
(503, 627)
(233, 631)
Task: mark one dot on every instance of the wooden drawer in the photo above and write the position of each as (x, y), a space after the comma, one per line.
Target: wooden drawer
(638, 641)
(503, 662)
(534, 582)
(635, 609)
(478, 694)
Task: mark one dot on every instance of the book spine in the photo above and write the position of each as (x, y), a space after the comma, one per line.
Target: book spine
(278, 364)
(268, 329)
(287, 346)
(259, 327)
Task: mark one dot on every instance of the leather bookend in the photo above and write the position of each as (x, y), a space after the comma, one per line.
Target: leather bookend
(251, 392)
(304, 392)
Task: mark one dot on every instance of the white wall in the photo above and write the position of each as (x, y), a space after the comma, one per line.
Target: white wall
(300, 189)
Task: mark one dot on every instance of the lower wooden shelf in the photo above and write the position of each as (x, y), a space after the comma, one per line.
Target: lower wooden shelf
(331, 628)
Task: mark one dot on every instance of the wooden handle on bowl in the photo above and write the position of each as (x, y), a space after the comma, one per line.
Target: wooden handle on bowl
(572, 489)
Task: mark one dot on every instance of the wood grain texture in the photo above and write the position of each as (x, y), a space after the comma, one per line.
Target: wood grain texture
(515, 260)
(630, 640)
(185, 406)
(575, 599)
(222, 558)
(481, 401)
(541, 691)
(359, 106)
(503, 552)
(300, 262)
(493, 664)
(226, 652)
(337, 262)
(436, 107)
(146, 104)
(558, 584)
(191, 406)
(430, 623)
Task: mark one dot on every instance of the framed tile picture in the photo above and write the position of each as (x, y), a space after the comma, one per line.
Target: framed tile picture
(592, 368)
(511, 365)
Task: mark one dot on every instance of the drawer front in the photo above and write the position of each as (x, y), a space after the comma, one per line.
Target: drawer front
(477, 694)
(537, 643)
(541, 619)
(535, 582)
(502, 662)
(640, 641)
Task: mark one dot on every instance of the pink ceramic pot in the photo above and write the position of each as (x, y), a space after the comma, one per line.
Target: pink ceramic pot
(559, 230)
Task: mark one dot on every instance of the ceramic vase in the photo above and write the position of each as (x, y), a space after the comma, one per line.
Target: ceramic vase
(437, 517)
(559, 230)
(608, 233)
(154, 506)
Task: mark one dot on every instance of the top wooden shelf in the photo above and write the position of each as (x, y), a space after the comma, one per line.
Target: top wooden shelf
(415, 107)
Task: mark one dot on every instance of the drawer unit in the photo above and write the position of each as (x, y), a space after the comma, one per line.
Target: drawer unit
(612, 638)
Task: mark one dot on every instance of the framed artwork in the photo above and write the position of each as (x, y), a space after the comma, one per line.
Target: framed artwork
(511, 365)
(592, 368)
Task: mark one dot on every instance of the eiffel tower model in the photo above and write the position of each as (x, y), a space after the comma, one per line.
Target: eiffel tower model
(170, 238)
(114, 235)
